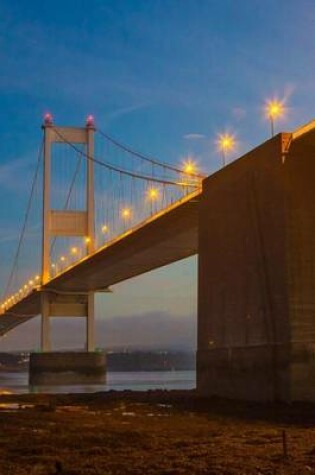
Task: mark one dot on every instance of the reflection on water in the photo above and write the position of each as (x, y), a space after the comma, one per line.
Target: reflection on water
(139, 381)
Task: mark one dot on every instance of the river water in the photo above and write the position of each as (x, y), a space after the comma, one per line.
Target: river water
(138, 381)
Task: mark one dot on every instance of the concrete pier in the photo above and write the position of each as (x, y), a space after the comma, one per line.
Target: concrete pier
(67, 368)
(256, 322)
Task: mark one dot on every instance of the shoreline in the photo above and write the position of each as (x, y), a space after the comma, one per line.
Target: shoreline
(186, 400)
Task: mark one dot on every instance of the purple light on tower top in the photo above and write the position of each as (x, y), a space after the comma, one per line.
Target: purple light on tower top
(48, 119)
(90, 121)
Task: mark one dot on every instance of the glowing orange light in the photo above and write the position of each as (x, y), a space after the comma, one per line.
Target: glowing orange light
(126, 213)
(153, 194)
(62, 258)
(37, 277)
(189, 167)
(74, 250)
(226, 142)
(275, 109)
(105, 228)
(87, 240)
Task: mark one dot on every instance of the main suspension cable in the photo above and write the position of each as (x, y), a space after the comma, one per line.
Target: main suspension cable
(123, 171)
(143, 156)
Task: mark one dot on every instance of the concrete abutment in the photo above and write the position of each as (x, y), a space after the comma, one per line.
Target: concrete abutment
(256, 303)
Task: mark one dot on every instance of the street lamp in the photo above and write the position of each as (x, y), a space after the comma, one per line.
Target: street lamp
(226, 143)
(126, 213)
(153, 195)
(274, 110)
(126, 216)
(189, 167)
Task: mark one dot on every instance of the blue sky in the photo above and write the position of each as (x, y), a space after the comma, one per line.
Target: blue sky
(165, 76)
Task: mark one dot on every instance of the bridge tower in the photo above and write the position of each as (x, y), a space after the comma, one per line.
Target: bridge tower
(67, 223)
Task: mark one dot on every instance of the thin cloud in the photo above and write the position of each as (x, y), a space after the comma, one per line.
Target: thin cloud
(194, 136)
(127, 110)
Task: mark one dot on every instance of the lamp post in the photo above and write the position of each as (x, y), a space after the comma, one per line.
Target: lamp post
(153, 195)
(274, 110)
(190, 170)
(226, 143)
(189, 167)
(126, 216)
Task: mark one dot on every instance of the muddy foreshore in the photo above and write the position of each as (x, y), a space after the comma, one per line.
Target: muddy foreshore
(154, 432)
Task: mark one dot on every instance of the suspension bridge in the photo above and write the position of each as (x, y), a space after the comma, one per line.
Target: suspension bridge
(100, 212)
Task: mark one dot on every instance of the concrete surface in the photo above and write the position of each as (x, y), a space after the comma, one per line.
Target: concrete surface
(65, 368)
(256, 318)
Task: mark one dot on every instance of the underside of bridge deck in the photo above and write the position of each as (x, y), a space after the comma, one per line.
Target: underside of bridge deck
(165, 238)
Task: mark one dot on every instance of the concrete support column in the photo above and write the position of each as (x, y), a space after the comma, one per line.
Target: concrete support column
(45, 324)
(90, 323)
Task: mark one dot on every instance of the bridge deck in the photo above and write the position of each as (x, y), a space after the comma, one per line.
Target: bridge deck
(163, 239)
